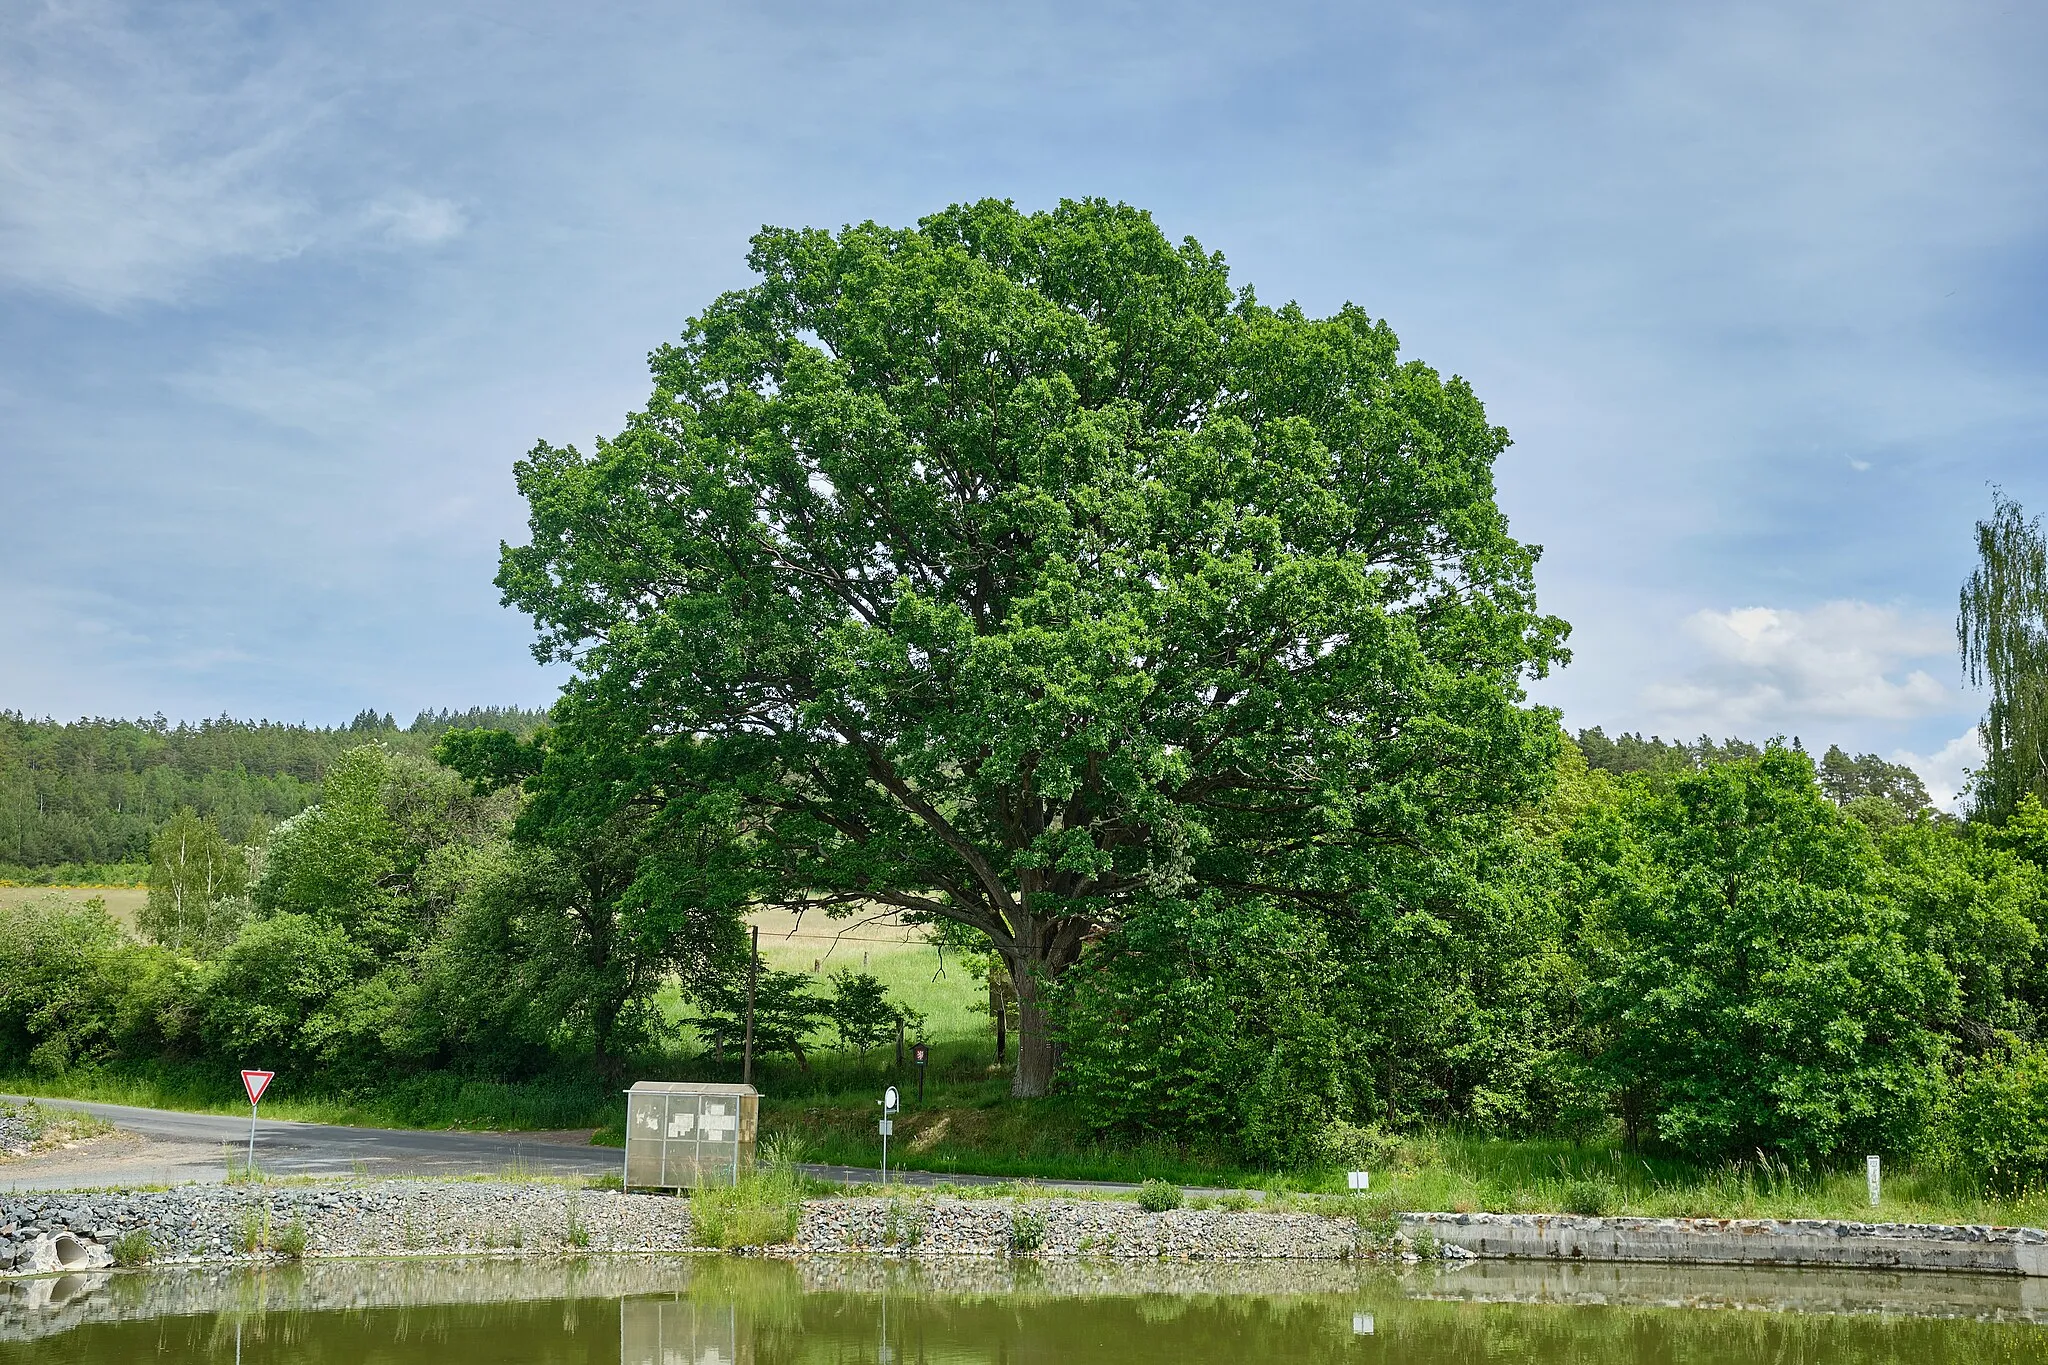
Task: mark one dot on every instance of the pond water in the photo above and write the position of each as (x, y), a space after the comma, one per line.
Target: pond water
(735, 1312)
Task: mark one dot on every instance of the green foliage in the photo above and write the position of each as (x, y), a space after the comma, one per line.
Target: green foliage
(1592, 1198)
(394, 928)
(1157, 1196)
(861, 1011)
(490, 759)
(1631, 753)
(762, 1209)
(1027, 1231)
(1259, 1025)
(1352, 1147)
(785, 1012)
(98, 791)
(271, 997)
(1012, 569)
(133, 1248)
(1867, 777)
(1980, 908)
(1995, 1123)
(74, 874)
(2002, 626)
(75, 990)
(197, 881)
(1750, 986)
(1201, 1018)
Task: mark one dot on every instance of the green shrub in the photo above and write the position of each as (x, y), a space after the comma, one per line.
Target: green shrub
(1157, 1196)
(1357, 1148)
(72, 985)
(1995, 1124)
(291, 1242)
(1590, 1198)
(134, 1248)
(1027, 1231)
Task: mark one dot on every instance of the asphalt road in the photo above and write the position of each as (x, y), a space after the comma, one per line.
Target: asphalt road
(171, 1147)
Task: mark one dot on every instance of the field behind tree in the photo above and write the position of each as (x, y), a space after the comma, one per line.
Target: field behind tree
(124, 903)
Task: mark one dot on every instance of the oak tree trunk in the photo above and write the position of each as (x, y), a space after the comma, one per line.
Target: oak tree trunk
(1036, 1056)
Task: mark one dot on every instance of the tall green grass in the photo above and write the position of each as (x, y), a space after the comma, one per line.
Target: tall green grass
(1461, 1173)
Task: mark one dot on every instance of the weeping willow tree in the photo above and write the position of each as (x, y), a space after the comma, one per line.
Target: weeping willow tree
(2003, 630)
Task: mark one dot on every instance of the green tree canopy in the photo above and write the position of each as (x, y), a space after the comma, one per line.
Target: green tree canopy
(197, 880)
(1750, 982)
(1011, 567)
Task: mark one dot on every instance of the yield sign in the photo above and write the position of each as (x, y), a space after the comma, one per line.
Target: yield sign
(256, 1082)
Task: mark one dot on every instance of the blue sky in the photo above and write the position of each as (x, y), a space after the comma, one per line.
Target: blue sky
(283, 292)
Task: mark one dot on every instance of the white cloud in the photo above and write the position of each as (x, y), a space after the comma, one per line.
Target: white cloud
(131, 161)
(1774, 667)
(1946, 772)
(418, 219)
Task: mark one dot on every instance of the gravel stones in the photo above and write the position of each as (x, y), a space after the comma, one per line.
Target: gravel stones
(203, 1223)
(15, 1134)
(1056, 1229)
(206, 1224)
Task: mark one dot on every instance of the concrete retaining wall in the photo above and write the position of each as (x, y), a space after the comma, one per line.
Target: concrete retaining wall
(1736, 1241)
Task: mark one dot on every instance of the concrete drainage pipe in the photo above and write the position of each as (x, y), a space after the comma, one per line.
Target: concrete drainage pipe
(70, 1252)
(62, 1253)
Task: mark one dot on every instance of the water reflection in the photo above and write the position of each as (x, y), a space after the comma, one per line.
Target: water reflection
(844, 1312)
(678, 1332)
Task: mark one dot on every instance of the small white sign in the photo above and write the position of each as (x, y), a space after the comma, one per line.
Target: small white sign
(1359, 1180)
(1873, 1171)
(1361, 1324)
(888, 1127)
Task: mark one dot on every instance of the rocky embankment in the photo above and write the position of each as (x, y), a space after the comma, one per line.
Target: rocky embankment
(54, 1234)
(205, 1224)
(1063, 1228)
(191, 1224)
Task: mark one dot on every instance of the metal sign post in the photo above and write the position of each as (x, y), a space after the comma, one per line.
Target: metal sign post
(255, 1082)
(891, 1101)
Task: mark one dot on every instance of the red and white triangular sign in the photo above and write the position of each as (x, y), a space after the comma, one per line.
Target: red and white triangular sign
(256, 1082)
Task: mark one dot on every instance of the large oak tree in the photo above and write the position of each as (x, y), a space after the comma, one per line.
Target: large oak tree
(1010, 569)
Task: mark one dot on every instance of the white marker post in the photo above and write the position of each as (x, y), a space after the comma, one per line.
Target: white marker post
(890, 1103)
(255, 1082)
(1358, 1180)
(1873, 1172)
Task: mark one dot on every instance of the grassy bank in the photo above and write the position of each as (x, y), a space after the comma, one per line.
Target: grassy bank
(1462, 1174)
(968, 1130)
(434, 1100)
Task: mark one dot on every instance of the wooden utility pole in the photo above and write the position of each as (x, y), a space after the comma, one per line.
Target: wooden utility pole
(753, 972)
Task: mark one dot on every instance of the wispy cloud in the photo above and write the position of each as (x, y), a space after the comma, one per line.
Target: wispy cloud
(132, 160)
(417, 219)
(1765, 667)
(142, 149)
